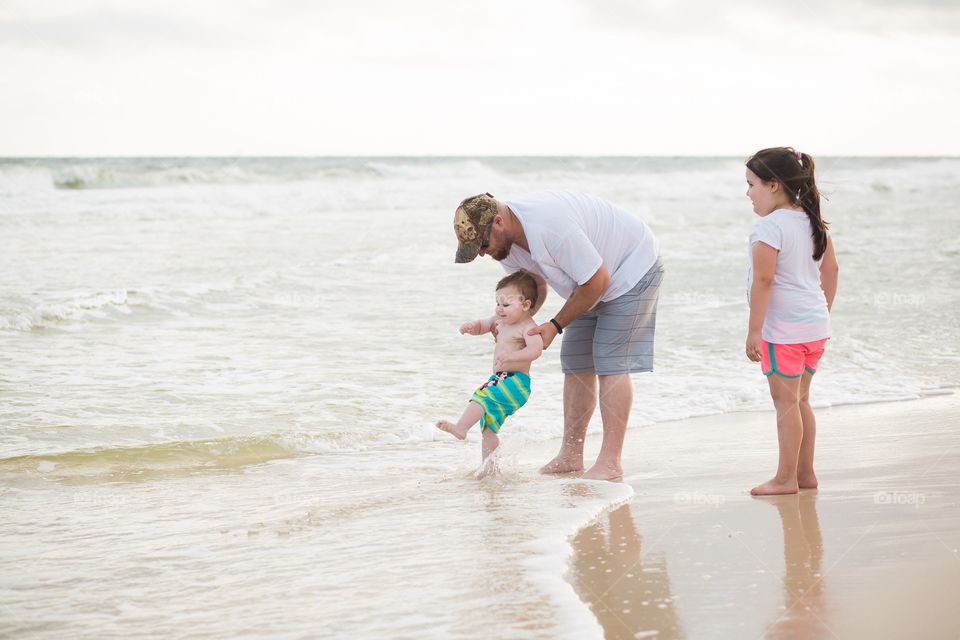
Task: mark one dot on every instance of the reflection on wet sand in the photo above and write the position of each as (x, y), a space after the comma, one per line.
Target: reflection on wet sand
(628, 591)
(803, 613)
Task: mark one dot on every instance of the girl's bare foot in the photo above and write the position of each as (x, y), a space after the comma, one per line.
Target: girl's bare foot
(563, 463)
(774, 487)
(451, 428)
(807, 480)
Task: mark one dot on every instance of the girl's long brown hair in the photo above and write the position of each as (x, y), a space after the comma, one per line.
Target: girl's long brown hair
(794, 171)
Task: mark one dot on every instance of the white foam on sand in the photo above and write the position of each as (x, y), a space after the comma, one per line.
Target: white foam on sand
(549, 562)
(548, 511)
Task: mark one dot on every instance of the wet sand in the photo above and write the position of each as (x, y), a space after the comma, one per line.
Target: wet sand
(872, 553)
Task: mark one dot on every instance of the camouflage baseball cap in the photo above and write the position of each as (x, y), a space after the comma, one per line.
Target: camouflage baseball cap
(472, 223)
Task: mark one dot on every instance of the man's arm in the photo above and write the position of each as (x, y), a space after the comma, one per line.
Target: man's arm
(829, 273)
(583, 297)
(764, 267)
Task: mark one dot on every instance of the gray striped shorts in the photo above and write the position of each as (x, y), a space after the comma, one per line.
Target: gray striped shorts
(615, 336)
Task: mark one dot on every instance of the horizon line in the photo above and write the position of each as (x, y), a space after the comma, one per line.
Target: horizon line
(447, 156)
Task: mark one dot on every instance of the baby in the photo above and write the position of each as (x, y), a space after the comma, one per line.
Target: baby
(509, 387)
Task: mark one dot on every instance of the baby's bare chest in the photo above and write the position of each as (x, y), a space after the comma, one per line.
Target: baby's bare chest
(510, 337)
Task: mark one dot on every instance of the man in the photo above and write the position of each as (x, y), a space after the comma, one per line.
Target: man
(605, 263)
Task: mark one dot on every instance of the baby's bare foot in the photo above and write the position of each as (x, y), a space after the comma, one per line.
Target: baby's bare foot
(489, 467)
(563, 464)
(807, 480)
(774, 487)
(451, 428)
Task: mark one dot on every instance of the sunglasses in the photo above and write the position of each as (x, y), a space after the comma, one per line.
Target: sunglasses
(486, 238)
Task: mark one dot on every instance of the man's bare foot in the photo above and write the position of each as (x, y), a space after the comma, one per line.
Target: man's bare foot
(563, 464)
(601, 471)
(451, 428)
(807, 480)
(774, 487)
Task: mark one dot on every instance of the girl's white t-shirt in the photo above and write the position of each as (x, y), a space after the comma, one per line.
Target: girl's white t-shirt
(570, 234)
(798, 308)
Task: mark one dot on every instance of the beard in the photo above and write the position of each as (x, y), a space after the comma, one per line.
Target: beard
(501, 252)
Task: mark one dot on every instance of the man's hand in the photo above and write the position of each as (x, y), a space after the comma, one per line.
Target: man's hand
(753, 346)
(546, 331)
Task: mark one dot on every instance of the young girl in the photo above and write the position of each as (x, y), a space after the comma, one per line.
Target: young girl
(508, 388)
(792, 283)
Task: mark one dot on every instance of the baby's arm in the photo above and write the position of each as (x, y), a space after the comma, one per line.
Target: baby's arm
(524, 356)
(478, 327)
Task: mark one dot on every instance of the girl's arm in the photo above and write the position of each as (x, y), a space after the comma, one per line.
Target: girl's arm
(829, 273)
(764, 266)
(478, 327)
(524, 356)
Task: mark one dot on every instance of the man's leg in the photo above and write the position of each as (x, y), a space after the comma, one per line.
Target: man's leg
(579, 401)
(616, 396)
(623, 343)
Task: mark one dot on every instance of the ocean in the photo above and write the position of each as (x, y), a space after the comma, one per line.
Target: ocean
(219, 378)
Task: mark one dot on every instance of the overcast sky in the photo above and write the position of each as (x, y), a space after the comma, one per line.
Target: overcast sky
(478, 77)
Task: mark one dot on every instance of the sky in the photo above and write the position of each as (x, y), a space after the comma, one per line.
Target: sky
(468, 78)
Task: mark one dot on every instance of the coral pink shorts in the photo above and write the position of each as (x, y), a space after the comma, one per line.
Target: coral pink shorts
(791, 360)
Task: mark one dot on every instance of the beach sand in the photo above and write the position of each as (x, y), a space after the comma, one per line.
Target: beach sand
(873, 553)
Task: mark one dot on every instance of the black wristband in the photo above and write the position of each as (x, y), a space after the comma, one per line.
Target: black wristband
(554, 322)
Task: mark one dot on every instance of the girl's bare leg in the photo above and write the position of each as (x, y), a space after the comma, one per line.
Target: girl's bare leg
(786, 398)
(806, 478)
(471, 416)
